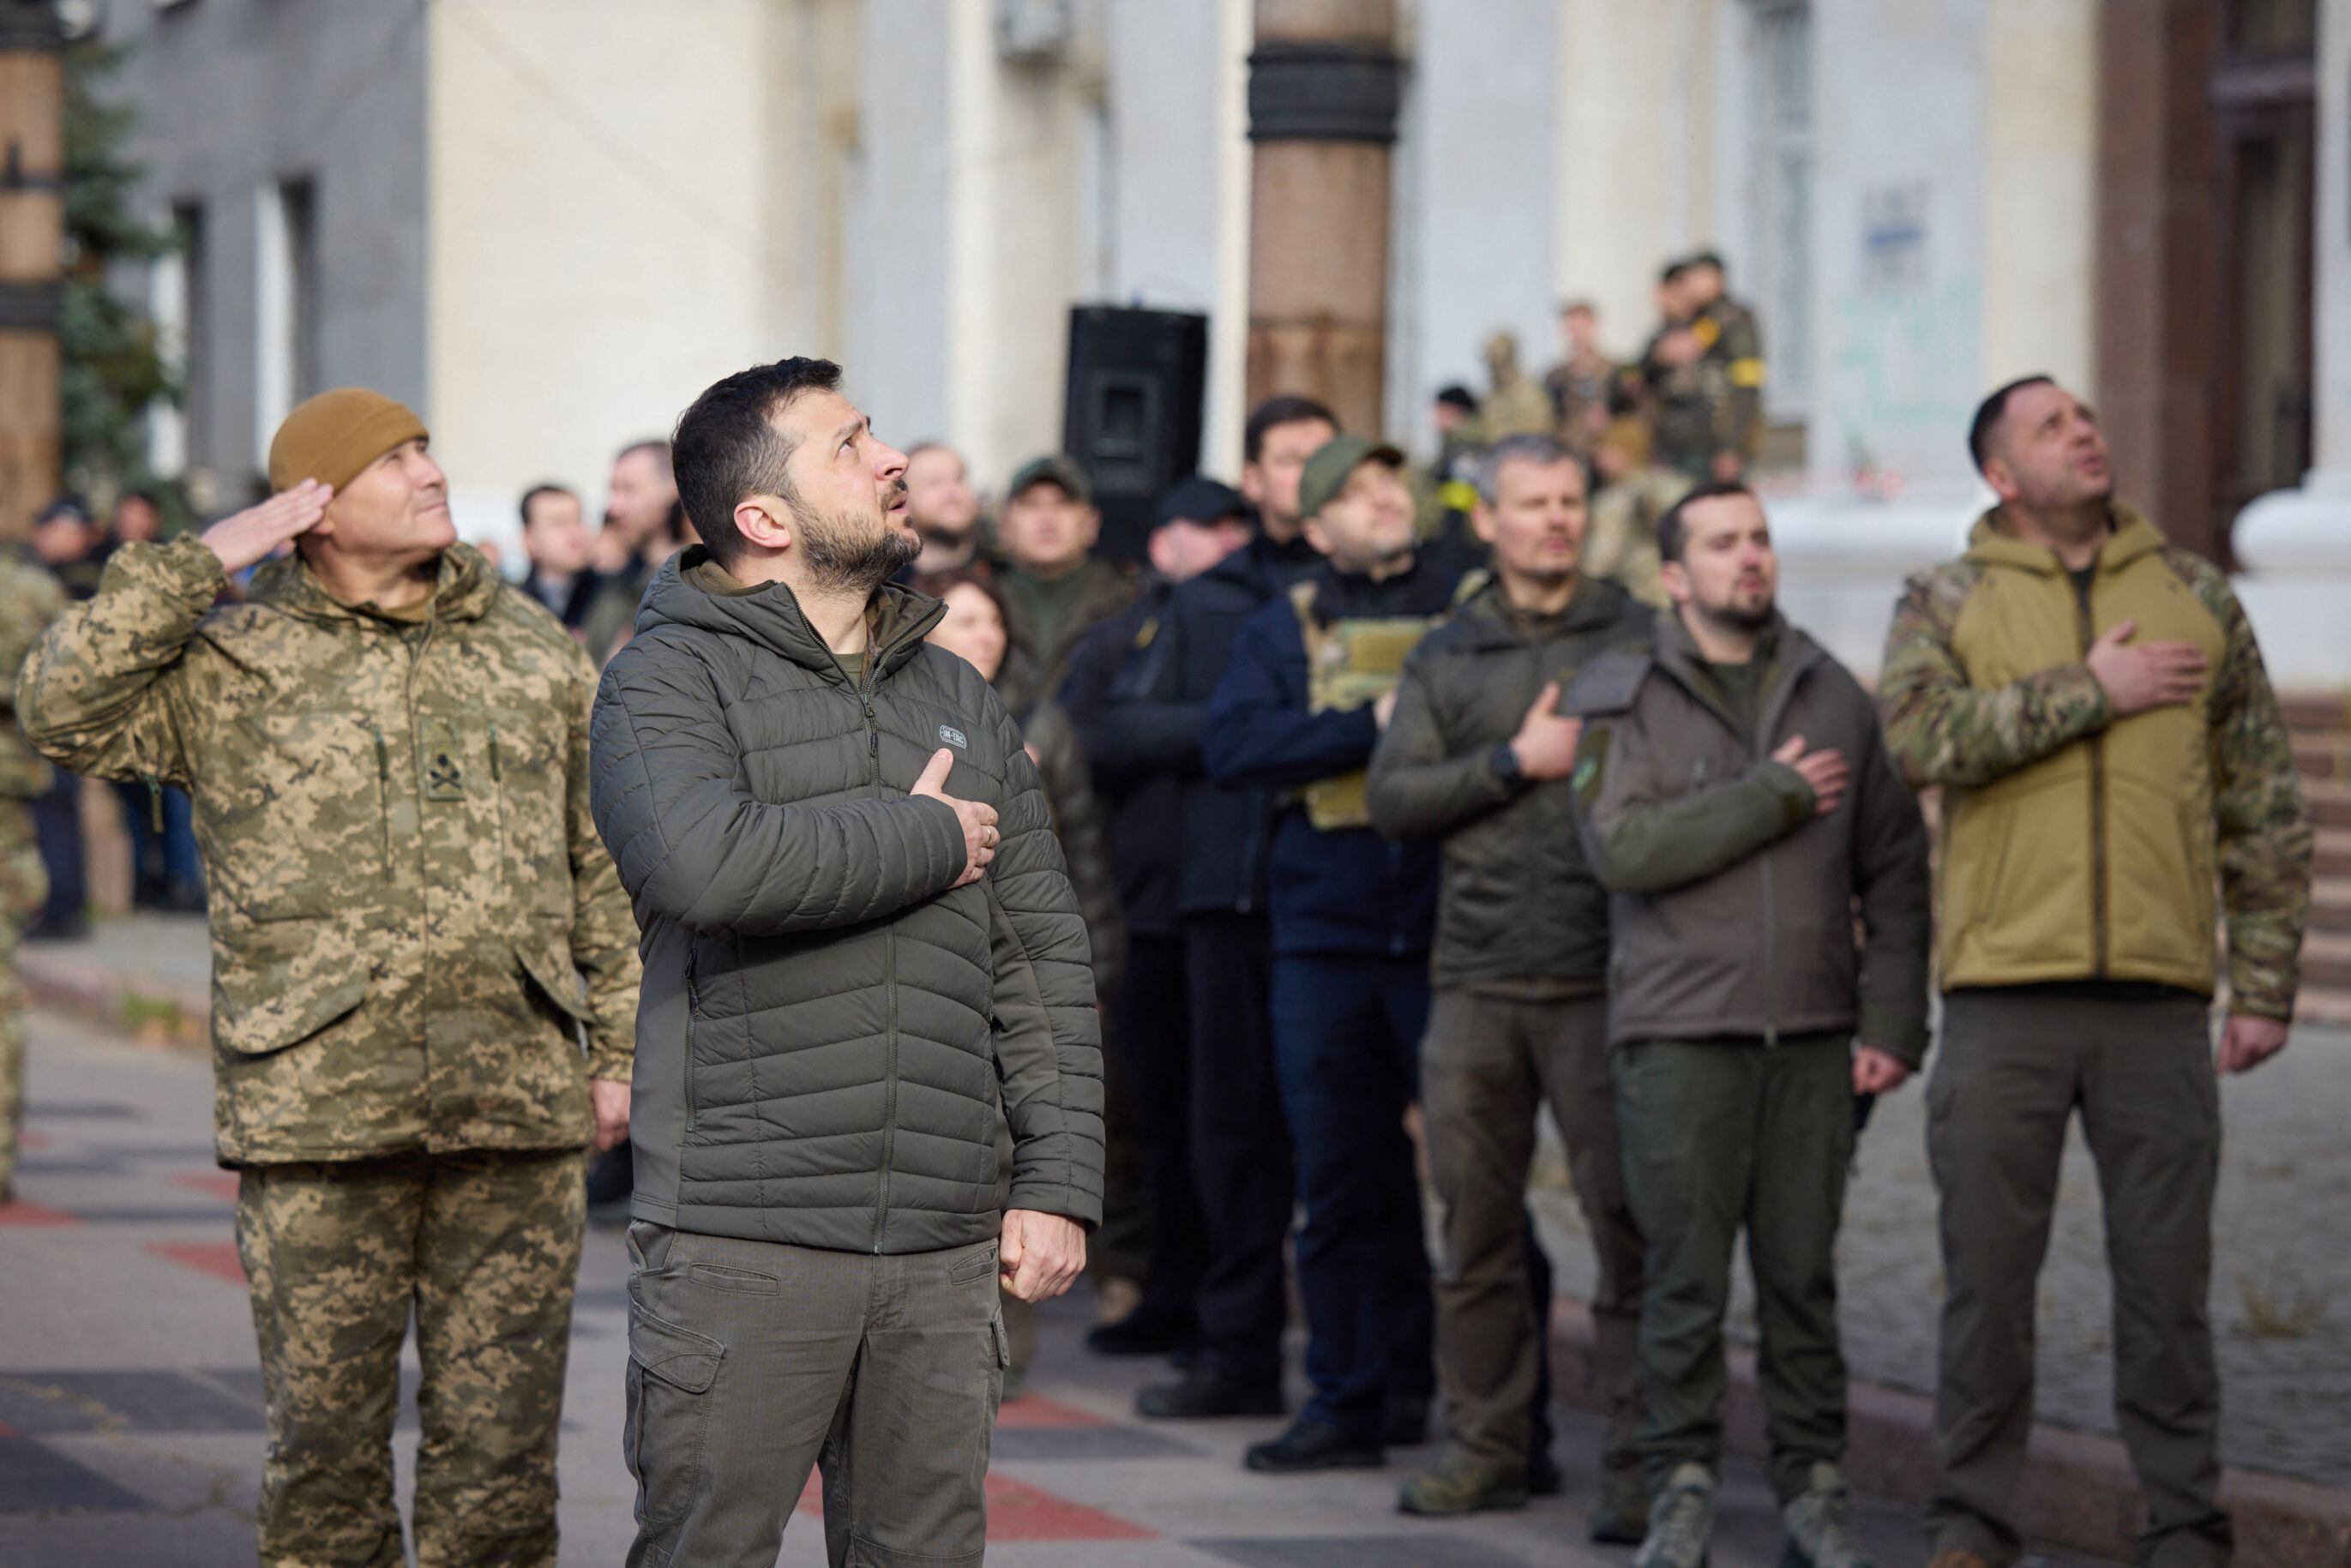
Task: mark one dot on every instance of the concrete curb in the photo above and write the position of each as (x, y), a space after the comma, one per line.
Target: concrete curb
(2078, 1490)
(155, 1012)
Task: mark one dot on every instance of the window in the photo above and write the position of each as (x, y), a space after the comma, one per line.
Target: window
(1781, 107)
(284, 308)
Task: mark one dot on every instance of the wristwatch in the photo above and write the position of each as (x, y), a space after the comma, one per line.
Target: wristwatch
(1504, 761)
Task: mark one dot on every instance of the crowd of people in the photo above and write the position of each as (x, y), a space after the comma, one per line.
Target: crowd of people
(978, 905)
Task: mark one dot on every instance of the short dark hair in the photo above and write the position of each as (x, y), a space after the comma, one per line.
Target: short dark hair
(725, 449)
(1673, 534)
(1283, 408)
(1703, 258)
(1527, 447)
(655, 448)
(1457, 396)
(1671, 272)
(535, 491)
(1993, 410)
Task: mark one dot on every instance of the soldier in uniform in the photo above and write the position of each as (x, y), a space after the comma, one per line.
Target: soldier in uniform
(1678, 382)
(387, 748)
(1732, 367)
(29, 600)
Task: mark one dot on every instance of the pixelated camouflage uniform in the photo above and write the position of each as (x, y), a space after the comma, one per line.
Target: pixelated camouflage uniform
(2076, 912)
(407, 891)
(29, 600)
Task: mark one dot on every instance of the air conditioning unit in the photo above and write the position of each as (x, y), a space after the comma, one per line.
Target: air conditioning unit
(1033, 32)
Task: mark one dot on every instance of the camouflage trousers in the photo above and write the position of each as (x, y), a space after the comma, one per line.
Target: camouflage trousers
(485, 1246)
(23, 886)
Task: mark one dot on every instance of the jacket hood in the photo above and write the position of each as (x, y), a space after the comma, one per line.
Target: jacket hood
(1992, 542)
(465, 587)
(691, 590)
(1487, 622)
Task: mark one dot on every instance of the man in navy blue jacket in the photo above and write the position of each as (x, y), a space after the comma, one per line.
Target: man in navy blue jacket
(1139, 780)
(1312, 680)
(1240, 1152)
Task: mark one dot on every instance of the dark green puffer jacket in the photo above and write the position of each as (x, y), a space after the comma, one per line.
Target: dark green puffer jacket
(827, 1026)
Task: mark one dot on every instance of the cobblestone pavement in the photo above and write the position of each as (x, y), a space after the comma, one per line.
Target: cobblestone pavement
(2282, 1276)
(131, 1418)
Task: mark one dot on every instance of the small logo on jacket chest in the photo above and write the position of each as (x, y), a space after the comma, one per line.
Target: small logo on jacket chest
(953, 738)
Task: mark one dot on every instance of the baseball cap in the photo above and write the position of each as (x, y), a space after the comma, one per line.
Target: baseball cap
(1327, 471)
(1200, 499)
(1051, 469)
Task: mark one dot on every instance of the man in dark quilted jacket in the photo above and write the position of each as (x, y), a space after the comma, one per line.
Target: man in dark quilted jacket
(861, 941)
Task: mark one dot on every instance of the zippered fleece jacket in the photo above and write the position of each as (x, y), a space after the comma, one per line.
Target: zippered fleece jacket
(2078, 846)
(829, 1028)
(1735, 904)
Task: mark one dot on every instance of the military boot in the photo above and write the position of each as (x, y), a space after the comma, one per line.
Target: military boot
(1460, 1484)
(1621, 1517)
(1819, 1523)
(1681, 1520)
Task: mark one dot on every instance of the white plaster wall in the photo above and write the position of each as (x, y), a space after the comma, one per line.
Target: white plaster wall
(1635, 148)
(603, 241)
(1899, 221)
(900, 215)
(2039, 190)
(1476, 187)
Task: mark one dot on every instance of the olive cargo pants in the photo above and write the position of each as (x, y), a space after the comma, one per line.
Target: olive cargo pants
(2013, 1067)
(485, 1247)
(1720, 1136)
(752, 1362)
(1488, 1067)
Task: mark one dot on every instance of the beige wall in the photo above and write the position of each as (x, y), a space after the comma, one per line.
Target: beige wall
(623, 209)
(2040, 185)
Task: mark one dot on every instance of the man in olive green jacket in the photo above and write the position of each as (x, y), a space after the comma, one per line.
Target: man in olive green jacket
(2092, 704)
(1477, 754)
(387, 748)
(1736, 799)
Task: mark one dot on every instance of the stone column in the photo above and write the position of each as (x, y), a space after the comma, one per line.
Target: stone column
(1324, 87)
(32, 227)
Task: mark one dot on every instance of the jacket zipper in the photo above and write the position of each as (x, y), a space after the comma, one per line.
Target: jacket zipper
(889, 969)
(693, 1004)
(2097, 805)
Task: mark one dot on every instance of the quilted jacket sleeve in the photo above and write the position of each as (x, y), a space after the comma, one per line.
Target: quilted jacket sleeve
(1049, 1033)
(693, 844)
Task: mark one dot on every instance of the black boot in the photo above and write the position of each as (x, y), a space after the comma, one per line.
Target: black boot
(1203, 1392)
(1316, 1445)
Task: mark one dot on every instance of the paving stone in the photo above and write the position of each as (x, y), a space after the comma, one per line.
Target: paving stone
(36, 1478)
(135, 1399)
(1022, 1444)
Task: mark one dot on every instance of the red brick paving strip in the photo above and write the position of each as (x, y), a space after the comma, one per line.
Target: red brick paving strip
(1018, 1511)
(217, 1258)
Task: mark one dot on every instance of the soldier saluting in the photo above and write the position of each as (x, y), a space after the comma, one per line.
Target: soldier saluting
(387, 748)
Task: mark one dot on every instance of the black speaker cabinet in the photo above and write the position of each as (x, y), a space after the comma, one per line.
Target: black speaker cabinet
(1131, 417)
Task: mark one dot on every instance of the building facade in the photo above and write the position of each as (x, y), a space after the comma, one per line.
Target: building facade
(550, 222)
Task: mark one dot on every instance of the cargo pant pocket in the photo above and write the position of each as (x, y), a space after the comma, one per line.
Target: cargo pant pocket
(670, 1370)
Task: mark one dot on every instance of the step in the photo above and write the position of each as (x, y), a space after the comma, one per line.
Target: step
(2326, 962)
(2322, 756)
(2333, 857)
(2316, 710)
(2330, 905)
(2329, 800)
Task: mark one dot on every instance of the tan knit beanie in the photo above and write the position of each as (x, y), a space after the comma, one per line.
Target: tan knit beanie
(332, 437)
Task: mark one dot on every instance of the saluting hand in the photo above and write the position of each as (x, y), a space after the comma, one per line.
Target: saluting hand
(247, 537)
(979, 835)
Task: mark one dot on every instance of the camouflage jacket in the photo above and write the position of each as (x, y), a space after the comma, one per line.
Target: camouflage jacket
(29, 600)
(407, 887)
(2078, 846)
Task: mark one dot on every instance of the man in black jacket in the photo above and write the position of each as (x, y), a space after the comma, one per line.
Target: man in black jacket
(1112, 670)
(1479, 755)
(851, 977)
(1240, 1152)
(1312, 680)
